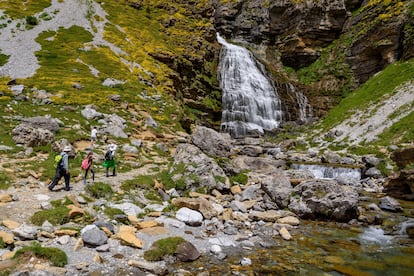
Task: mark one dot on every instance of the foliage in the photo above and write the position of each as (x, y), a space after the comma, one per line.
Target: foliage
(5, 180)
(240, 178)
(162, 248)
(372, 91)
(56, 216)
(18, 9)
(141, 181)
(56, 256)
(3, 59)
(111, 212)
(32, 20)
(2, 243)
(99, 189)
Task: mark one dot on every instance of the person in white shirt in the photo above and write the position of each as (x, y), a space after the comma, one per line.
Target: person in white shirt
(94, 135)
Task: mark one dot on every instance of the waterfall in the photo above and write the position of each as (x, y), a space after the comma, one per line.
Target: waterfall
(304, 108)
(320, 171)
(250, 100)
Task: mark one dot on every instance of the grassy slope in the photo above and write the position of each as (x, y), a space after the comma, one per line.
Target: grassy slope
(142, 32)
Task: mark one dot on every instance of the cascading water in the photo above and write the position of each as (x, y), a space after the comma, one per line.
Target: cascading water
(320, 171)
(304, 108)
(250, 101)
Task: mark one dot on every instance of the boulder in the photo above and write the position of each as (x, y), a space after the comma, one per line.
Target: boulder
(212, 142)
(324, 199)
(32, 136)
(209, 174)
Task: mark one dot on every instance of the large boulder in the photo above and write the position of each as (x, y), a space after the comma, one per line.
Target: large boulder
(44, 122)
(199, 169)
(278, 188)
(211, 142)
(324, 199)
(32, 136)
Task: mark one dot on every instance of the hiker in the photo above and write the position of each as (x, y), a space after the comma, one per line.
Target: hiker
(109, 160)
(62, 169)
(94, 135)
(87, 166)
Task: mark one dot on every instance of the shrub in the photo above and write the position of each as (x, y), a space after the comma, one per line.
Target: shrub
(54, 255)
(4, 181)
(56, 216)
(31, 20)
(163, 247)
(99, 190)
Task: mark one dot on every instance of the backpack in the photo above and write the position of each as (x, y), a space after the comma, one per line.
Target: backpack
(58, 160)
(85, 164)
(109, 155)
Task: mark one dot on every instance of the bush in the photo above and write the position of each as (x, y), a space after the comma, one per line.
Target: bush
(31, 20)
(163, 247)
(55, 255)
(56, 216)
(99, 190)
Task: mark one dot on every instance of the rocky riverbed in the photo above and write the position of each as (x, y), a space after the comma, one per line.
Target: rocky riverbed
(242, 206)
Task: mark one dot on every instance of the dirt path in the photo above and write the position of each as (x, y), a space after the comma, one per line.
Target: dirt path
(30, 197)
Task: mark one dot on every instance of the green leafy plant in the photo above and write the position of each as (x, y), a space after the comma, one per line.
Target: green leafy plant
(163, 247)
(56, 256)
(99, 190)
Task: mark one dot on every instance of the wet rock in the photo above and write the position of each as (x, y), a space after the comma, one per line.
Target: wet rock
(390, 204)
(186, 252)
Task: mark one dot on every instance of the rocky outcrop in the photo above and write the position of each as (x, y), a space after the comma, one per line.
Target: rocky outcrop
(401, 183)
(295, 33)
(324, 199)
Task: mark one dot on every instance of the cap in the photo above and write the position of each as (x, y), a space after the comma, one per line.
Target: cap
(112, 147)
(67, 148)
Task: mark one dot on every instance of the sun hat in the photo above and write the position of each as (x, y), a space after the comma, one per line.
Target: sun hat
(67, 148)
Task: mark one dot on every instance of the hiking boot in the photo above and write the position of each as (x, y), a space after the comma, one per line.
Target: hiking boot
(49, 188)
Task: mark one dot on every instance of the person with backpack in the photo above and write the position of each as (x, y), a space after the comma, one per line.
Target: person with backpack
(62, 169)
(109, 161)
(87, 166)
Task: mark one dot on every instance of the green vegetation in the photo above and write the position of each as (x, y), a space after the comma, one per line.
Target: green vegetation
(56, 256)
(18, 9)
(3, 59)
(2, 243)
(99, 189)
(374, 90)
(163, 247)
(240, 178)
(5, 180)
(111, 212)
(56, 216)
(140, 182)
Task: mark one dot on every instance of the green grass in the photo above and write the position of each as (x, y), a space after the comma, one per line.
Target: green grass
(20, 9)
(3, 59)
(5, 181)
(139, 182)
(56, 216)
(99, 190)
(370, 92)
(2, 243)
(163, 247)
(56, 256)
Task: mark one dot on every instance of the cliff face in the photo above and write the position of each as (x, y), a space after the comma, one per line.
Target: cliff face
(353, 38)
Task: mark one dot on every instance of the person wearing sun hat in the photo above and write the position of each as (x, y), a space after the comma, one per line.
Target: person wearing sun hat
(109, 160)
(62, 170)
